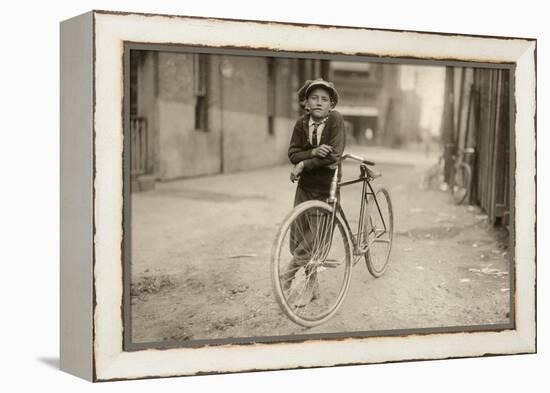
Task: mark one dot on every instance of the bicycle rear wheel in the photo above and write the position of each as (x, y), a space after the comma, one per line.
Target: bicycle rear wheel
(462, 178)
(379, 229)
(311, 264)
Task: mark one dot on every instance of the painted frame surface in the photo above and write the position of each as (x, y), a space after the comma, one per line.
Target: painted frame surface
(110, 33)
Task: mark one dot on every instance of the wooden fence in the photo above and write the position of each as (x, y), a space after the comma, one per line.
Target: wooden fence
(478, 117)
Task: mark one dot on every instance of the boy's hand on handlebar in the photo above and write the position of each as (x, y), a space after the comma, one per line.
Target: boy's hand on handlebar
(296, 171)
(322, 151)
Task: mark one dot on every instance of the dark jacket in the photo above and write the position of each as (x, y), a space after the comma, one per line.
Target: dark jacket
(317, 175)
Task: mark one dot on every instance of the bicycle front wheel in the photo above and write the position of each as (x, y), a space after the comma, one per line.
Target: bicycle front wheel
(379, 228)
(462, 178)
(311, 263)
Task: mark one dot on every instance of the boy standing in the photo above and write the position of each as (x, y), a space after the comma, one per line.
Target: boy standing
(317, 143)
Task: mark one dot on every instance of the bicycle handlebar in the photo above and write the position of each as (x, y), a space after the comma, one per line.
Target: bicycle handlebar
(357, 158)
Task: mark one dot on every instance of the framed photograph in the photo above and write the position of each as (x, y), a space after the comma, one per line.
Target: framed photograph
(249, 195)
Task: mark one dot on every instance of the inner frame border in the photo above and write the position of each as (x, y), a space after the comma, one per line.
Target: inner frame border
(129, 346)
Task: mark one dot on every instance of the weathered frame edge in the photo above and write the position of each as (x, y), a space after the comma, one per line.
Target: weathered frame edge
(76, 196)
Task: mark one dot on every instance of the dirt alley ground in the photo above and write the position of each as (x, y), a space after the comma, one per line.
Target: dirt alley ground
(201, 258)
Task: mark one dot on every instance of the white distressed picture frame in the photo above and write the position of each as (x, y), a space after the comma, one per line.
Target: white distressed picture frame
(92, 47)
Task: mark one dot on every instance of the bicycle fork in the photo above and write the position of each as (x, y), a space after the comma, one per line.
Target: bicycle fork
(358, 250)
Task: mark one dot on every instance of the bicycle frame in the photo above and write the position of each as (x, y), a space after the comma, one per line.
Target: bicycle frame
(366, 191)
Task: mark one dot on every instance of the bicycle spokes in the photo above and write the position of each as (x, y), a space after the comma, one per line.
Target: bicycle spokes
(380, 232)
(313, 271)
(461, 181)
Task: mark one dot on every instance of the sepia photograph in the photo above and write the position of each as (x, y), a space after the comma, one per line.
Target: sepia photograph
(248, 195)
(279, 197)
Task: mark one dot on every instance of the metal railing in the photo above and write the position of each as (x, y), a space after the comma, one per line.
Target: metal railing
(139, 146)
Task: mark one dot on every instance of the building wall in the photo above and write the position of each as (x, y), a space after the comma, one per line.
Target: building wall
(146, 106)
(238, 136)
(247, 144)
(179, 149)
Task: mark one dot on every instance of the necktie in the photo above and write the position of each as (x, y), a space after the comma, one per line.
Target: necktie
(314, 133)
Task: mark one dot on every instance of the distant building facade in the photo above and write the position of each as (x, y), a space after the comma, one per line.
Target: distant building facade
(384, 104)
(367, 90)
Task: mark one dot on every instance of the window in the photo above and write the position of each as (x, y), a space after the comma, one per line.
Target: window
(271, 80)
(200, 86)
(134, 69)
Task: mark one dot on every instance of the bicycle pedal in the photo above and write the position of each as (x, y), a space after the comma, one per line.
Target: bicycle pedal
(331, 264)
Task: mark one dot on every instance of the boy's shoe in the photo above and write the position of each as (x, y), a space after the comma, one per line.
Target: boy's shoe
(288, 276)
(311, 293)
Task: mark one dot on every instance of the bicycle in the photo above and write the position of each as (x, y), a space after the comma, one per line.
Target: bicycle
(460, 176)
(322, 261)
